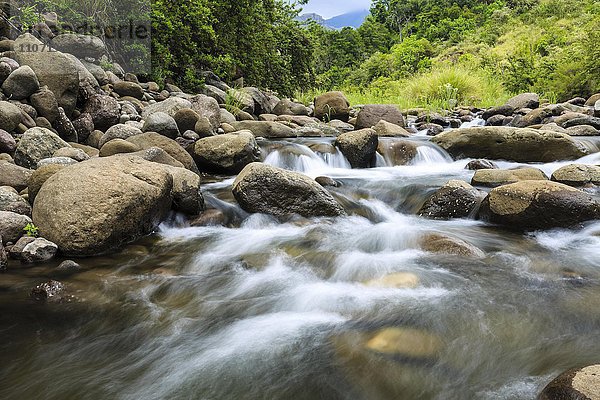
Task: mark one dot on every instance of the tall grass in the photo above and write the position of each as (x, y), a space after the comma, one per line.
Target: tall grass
(442, 88)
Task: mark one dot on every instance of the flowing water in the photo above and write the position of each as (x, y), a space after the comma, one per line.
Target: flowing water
(346, 308)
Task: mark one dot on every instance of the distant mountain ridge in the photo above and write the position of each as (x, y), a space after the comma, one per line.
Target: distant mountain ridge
(352, 19)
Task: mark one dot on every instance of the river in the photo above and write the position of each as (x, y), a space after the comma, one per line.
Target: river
(346, 308)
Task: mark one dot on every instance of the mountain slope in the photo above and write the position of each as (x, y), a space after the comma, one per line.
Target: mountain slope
(352, 19)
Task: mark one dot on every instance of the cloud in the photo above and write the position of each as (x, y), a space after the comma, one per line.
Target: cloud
(331, 8)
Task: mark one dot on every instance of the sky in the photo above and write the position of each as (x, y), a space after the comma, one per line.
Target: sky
(332, 8)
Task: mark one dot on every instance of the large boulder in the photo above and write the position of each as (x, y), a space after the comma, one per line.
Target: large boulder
(52, 68)
(228, 153)
(261, 101)
(39, 177)
(524, 100)
(265, 129)
(45, 104)
(161, 123)
(577, 175)
(21, 84)
(35, 145)
(12, 225)
(13, 175)
(499, 177)
(104, 110)
(119, 131)
(575, 384)
(151, 139)
(534, 205)
(101, 204)
(359, 147)
(208, 107)
(261, 188)
(288, 107)
(131, 89)
(169, 106)
(81, 46)
(514, 144)
(10, 116)
(371, 114)
(387, 129)
(456, 199)
(332, 105)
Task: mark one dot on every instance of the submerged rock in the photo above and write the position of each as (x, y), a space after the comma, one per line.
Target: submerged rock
(456, 199)
(534, 205)
(359, 147)
(51, 291)
(575, 384)
(260, 188)
(507, 143)
(442, 244)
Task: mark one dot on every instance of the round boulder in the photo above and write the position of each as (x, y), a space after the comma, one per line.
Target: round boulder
(456, 199)
(332, 105)
(21, 84)
(261, 188)
(12, 225)
(228, 153)
(120, 131)
(35, 145)
(10, 116)
(371, 114)
(575, 384)
(172, 148)
(101, 204)
(499, 177)
(578, 175)
(105, 111)
(161, 123)
(359, 147)
(535, 205)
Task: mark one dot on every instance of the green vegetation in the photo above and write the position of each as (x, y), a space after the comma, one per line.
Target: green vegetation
(31, 230)
(433, 53)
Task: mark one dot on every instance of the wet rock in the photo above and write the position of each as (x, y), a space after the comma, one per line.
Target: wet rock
(119, 199)
(228, 153)
(14, 176)
(150, 139)
(210, 217)
(582, 130)
(51, 291)
(7, 142)
(332, 105)
(11, 226)
(398, 280)
(68, 266)
(535, 205)
(16, 251)
(161, 123)
(265, 129)
(499, 177)
(186, 194)
(587, 120)
(480, 164)
(387, 129)
(10, 116)
(359, 147)
(514, 144)
(575, 384)
(371, 114)
(260, 188)
(442, 244)
(104, 110)
(326, 181)
(405, 342)
(524, 100)
(21, 83)
(3, 256)
(119, 131)
(578, 175)
(456, 199)
(398, 152)
(12, 202)
(39, 250)
(35, 145)
(431, 129)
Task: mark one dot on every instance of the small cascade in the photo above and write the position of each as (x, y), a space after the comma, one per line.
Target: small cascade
(301, 158)
(476, 122)
(431, 154)
(591, 143)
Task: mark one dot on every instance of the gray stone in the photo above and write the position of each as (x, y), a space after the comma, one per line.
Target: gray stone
(359, 147)
(21, 83)
(39, 250)
(35, 145)
(161, 123)
(12, 225)
(120, 131)
(371, 114)
(228, 153)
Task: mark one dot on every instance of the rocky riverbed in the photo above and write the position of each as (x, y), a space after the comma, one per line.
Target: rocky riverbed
(159, 244)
